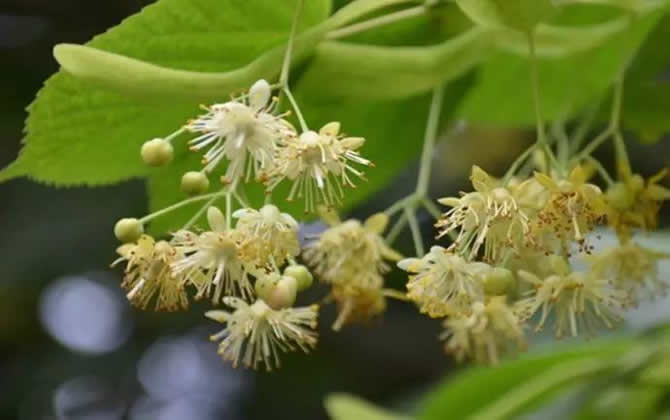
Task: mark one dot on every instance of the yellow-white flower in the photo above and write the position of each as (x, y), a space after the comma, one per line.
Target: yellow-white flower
(488, 216)
(267, 236)
(573, 209)
(244, 131)
(578, 300)
(347, 251)
(148, 274)
(359, 300)
(489, 331)
(211, 260)
(318, 164)
(255, 334)
(443, 283)
(633, 268)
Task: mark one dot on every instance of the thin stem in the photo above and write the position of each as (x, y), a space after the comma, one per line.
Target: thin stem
(416, 232)
(583, 128)
(539, 121)
(432, 129)
(623, 161)
(399, 205)
(398, 226)
(375, 22)
(286, 65)
(199, 213)
(601, 170)
(431, 208)
(180, 204)
(517, 163)
(593, 145)
(296, 108)
(229, 210)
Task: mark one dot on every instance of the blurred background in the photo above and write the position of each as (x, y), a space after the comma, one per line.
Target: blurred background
(72, 348)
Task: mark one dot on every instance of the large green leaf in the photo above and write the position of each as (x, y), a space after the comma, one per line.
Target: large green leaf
(503, 93)
(488, 393)
(78, 134)
(348, 407)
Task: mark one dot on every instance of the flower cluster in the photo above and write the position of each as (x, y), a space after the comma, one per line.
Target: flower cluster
(509, 263)
(246, 258)
(351, 257)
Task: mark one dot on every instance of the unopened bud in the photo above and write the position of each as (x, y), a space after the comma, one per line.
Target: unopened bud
(301, 274)
(157, 152)
(498, 281)
(194, 183)
(128, 230)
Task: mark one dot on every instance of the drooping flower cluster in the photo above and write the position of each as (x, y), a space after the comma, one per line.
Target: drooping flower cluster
(510, 260)
(246, 258)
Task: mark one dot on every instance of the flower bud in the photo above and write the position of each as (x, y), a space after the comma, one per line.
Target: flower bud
(619, 196)
(331, 129)
(498, 281)
(283, 294)
(128, 230)
(265, 284)
(216, 219)
(259, 94)
(301, 274)
(194, 183)
(157, 152)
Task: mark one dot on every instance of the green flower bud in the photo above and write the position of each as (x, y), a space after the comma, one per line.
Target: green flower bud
(194, 183)
(128, 230)
(301, 274)
(498, 281)
(157, 152)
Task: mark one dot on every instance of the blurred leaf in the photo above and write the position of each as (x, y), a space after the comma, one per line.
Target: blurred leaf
(488, 393)
(623, 403)
(522, 15)
(646, 103)
(80, 135)
(502, 94)
(348, 407)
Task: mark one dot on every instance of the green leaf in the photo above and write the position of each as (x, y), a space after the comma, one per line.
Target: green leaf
(503, 96)
(498, 392)
(77, 134)
(646, 103)
(522, 15)
(347, 70)
(348, 407)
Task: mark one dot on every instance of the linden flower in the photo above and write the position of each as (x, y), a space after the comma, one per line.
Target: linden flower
(488, 215)
(267, 235)
(243, 131)
(443, 283)
(633, 268)
(579, 301)
(255, 334)
(635, 203)
(210, 260)
(347, 249)
(148, 274)
(319, 165)
(574, 207)
(359, 301)
(491, 330)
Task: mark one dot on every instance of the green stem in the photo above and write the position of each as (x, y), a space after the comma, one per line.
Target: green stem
(623, 161)
(375, 22)
(398, 226)
(431, 208)
(199, 213)
(593, 145)
(601, 170)
(539, 120)
(416, 231)
(286, 65)
(180, 204)
(296, 108)
(517, 163)
(583, 128)
(430, 136)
